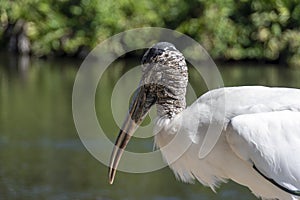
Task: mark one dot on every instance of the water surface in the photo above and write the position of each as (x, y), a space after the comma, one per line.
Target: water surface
(42, 157)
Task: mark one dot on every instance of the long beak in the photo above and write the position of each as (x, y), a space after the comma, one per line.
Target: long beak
(140, 105)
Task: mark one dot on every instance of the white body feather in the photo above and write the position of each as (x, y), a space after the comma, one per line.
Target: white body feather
(262, 128)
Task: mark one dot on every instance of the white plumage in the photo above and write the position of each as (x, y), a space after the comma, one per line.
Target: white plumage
(251, 133)
(262, 128)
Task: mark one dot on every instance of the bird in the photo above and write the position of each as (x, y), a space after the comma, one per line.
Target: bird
(259, 141)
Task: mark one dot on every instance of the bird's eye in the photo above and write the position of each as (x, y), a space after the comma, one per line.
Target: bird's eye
(151, 53)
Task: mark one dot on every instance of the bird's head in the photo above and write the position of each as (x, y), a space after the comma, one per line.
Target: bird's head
(163, 83)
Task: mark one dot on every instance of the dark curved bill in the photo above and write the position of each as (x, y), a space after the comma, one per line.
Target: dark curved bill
(140, 106)
(121, 143)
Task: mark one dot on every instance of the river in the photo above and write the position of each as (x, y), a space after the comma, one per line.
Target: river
(42, 157)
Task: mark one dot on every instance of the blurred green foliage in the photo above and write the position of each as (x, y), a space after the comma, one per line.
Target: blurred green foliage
(229, 30)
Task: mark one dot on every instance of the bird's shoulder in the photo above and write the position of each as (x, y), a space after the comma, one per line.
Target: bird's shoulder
(234, 101)
(247, 92)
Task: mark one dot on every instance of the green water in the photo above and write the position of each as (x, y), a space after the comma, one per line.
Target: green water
(42, 157)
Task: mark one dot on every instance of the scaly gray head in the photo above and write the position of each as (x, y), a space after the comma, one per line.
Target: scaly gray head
(163, 83)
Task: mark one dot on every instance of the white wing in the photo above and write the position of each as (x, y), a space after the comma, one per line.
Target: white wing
(219, 106)
(269, 141)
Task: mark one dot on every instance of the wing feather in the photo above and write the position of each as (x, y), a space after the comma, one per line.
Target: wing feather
(271, 142)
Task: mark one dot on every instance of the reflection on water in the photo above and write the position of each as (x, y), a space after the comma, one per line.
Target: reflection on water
(41, 156)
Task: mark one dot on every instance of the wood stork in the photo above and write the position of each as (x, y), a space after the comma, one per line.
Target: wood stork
(259, 143)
